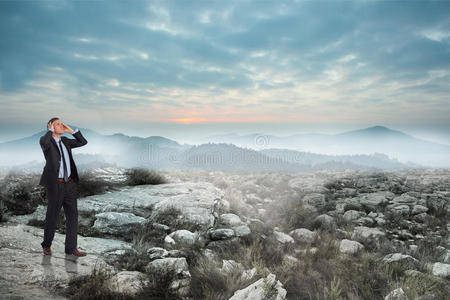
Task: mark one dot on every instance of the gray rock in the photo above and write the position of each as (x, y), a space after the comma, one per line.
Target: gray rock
(157, 252)
(420, 217)
(195, 201)
(399, 257)
(169, 242)
(375, 201)
(418, 209)
(365, 221)
(230, 220)
(405, 199)
(349, 192)
(446, 256)
(242, 230)
(282, 237)
(303, 235)
(372, 214)
(26, 270)
(224, 245)
(352, 215)
(380, 221)
(162, 265)
(349, 246)
(210, 255)
(289, 260)
(441, 269)
(111, 256)
(256, 225)
(314, 200)
(177, 265)
(351, 203)
(399, 209)
(259, 291)
(249, 274)
(161, 227)
(229, 266)
(129, 282)
(117, 223)
(367, 232)
(325, 220)
(38, 215)
(184, 237)
(221, 234)
(397, 294)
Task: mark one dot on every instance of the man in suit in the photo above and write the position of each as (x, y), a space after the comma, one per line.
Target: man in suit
(60, 177)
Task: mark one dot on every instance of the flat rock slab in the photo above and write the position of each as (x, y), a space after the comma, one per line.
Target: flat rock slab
(26, 273)
(194, 199)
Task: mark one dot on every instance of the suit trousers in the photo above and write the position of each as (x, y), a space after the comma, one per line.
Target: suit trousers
(62, 194)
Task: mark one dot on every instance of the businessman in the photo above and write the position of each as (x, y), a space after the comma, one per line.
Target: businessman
(60, 177)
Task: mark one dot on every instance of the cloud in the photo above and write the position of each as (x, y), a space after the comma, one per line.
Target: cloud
(291, 58)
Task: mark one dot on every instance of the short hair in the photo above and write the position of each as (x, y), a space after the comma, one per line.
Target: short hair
(52, 120)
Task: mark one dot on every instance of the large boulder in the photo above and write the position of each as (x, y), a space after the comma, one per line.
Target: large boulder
(363, 232)
(374, 201)
(303, 235)
(282, 237)
(230, 220)
(184, 237)
(117, 223)
(234, 222)
(195, 201)
(350, 247)
(402, 204)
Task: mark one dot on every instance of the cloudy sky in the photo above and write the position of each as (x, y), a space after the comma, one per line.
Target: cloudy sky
(186, 69)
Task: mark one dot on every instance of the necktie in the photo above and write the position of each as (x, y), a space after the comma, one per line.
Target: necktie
(64, 161)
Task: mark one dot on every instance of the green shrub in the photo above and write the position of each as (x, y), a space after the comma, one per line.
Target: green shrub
(139, 176)
(93, 287)
(351, 206)
(132, 260)
(89, 185)
(156, 285)
(21, 194)
(209, 282)
(421, 284)
(2, 210)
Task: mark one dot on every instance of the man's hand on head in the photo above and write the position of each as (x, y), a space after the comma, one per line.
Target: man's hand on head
(67, 128)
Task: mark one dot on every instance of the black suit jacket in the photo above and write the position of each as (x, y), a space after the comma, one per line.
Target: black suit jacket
(53, 157)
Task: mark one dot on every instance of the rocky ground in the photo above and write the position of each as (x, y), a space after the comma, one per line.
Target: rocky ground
(321, 235)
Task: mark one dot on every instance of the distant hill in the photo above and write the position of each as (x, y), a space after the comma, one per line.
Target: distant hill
(377, 139)
(163, 153)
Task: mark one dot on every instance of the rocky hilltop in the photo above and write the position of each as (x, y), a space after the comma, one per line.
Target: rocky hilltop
(215, 235)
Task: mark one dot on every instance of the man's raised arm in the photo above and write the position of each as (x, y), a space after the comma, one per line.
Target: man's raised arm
(45, 140)
(79, 138)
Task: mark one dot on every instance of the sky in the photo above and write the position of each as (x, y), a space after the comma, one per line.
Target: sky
(188, 69)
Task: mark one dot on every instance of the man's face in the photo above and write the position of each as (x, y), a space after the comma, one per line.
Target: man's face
(59, 128)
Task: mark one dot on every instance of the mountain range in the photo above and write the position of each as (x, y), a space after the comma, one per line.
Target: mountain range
(373, 147)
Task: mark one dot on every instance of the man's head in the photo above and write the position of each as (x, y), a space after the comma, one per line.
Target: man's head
(57, 125)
